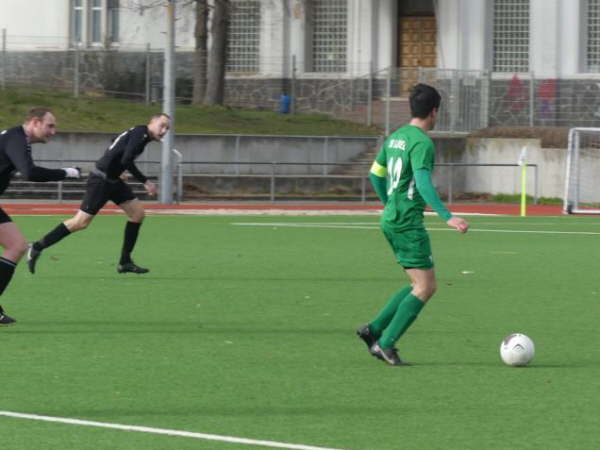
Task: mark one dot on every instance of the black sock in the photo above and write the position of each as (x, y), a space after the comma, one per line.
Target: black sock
(7, 268)
(52, 238)
(131, 234)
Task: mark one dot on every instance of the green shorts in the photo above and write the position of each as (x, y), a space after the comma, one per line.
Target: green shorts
(411, 247)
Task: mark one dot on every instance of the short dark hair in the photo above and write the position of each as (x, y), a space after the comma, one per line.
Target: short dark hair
(37, 113)
(423, 100)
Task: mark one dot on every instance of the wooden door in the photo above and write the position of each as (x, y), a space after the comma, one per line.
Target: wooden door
(416, 47)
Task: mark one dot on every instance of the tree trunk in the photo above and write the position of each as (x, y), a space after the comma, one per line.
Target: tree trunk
(215, 89)
(200, 52)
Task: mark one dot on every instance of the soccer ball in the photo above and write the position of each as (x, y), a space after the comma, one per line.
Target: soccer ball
(517, 350)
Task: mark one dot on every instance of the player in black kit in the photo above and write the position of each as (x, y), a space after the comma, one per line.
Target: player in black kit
(15, 155)
(106, 183)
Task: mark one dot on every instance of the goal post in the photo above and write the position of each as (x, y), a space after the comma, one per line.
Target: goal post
(582, 190)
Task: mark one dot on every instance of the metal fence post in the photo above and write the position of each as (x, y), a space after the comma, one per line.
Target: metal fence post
(293, 87)
(179, 186)
(363, 190)
(3, 78)
(535, 184)
(450, 184)
(388, 95)
(325, 155)
(76, 72)
(531, 99)
(454, 100)
(273, 181)
(237, 154)
(484, 101)
(148, 71)
(370, 96)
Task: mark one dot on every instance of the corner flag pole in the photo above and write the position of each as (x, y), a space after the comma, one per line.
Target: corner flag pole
(523, 163)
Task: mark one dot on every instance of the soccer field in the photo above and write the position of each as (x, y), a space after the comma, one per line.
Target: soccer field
(244, 328)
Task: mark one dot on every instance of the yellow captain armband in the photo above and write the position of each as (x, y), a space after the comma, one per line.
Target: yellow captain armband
(378, 170)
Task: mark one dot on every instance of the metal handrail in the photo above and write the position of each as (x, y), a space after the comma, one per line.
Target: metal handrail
(59, 184)
(273, 175)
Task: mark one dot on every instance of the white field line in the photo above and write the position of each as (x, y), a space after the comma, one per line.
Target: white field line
(242, 212)
(163, 431)
(285, 212)
(351, 226)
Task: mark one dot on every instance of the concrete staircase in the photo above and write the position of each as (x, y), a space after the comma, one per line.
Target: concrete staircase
(399, 115)
(360, 163)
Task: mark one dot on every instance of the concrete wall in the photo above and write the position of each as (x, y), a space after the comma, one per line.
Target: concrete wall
(501, 180)
(202, 153)
(230, 149)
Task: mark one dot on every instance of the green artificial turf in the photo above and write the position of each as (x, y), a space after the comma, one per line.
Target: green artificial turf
(248, 331)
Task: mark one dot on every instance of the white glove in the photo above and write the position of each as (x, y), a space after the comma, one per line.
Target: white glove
(72, 172)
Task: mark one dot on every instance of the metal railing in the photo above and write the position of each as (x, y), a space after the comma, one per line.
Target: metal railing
(273, 176)
(19, 186)
(450, 185)
(270, 174)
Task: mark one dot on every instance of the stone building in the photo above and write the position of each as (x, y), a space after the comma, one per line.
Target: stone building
(533, 61)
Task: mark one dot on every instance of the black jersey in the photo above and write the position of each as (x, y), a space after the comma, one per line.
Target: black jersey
(120, 156)
(15, 155)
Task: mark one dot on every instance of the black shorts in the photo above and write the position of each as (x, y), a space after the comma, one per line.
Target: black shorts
(4, 218)
(99, 191)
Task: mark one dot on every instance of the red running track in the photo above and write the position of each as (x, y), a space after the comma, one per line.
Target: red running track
(231, 207)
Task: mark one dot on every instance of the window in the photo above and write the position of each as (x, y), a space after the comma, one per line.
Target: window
(96, 22)
(77, 21)
(511, 36)
(244, 37)
(593, 36)
(112, 20)
(329, 35)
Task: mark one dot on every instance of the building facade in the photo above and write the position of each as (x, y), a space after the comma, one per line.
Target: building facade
(551, 38)
(545, 53)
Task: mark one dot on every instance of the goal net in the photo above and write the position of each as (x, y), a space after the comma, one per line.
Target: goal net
(582, 190)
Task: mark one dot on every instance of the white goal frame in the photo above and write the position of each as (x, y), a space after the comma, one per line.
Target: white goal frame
(572, 198)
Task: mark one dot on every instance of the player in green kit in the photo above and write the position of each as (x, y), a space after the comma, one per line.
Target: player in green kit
(401, 177)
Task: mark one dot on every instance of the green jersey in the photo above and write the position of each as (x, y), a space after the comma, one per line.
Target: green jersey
(406, 150)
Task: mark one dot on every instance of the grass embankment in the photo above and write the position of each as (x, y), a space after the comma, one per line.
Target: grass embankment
(110, 115)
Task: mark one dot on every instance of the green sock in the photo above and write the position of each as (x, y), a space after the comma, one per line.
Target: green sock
(407, 312)
(385, 316)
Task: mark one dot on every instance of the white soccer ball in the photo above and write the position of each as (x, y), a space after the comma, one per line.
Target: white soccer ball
(517, 350)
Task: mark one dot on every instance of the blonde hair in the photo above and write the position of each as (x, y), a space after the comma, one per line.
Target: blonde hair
(157, 116)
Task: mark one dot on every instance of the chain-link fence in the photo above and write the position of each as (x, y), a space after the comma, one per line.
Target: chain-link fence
(135, 73)
(524, 100)
(471, 99)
